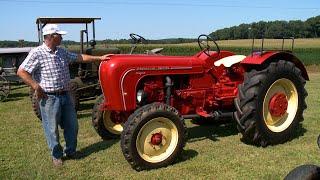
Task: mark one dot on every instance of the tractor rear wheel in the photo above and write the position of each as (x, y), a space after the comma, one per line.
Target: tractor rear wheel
(270, 104)
(74, 95)
(307, 171)
(108, 124)
(153, 137)
(35, 102)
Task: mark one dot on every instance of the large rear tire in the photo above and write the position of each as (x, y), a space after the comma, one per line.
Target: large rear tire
(104, 121)
(304, 172)
(35, 104)
(74, 95)
(270, 104)
(153, 137)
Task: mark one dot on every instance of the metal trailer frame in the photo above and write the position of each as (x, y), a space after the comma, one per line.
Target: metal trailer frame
(10, 60)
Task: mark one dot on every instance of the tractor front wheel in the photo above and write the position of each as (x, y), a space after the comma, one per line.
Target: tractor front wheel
(108, 124)
(270, 104)
(153, 137)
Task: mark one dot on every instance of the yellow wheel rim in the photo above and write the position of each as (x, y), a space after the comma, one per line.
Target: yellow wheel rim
(160, 151)
(112, 127)
(282, 122)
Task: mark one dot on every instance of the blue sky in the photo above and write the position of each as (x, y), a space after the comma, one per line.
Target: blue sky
(151, 19)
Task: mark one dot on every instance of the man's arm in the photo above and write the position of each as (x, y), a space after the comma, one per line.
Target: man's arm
(27, 78)
(89, 58)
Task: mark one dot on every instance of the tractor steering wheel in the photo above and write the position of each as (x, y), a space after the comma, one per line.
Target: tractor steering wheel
(138, 39)
(204, 45)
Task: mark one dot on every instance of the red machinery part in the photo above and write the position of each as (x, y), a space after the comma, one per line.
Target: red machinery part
(278, 105)
(156, 139)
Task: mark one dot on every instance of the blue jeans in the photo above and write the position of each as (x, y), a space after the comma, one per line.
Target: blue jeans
(59, 110)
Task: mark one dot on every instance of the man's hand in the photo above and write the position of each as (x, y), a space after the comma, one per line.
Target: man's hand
(39, 92)
(27, 78)
(105, 57)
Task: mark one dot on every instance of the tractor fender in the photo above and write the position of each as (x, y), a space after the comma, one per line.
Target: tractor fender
(271, 56)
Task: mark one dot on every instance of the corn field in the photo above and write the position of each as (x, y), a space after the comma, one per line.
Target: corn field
(308, 50)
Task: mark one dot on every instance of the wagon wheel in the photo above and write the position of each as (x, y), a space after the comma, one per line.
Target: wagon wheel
(153, 137)
(270, 104)
(4, 88)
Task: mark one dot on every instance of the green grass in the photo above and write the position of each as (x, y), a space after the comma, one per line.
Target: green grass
(213, 151)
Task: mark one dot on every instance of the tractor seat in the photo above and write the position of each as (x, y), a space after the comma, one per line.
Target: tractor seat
(230, 60)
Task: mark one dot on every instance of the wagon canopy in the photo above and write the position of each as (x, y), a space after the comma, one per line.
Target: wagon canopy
(42, 21)
(15, 50)
(64, 20)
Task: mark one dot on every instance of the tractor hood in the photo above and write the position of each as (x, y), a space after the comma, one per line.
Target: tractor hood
(130, 61)
(120, 75)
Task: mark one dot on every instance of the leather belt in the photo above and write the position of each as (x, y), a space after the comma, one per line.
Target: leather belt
(57, 93)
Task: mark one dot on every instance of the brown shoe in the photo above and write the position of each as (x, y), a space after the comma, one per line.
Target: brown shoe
(57, 162)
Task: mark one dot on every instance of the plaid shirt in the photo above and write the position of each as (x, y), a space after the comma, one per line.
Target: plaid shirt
(50, 69)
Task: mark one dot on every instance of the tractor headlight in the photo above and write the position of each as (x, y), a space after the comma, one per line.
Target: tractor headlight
(140, 95)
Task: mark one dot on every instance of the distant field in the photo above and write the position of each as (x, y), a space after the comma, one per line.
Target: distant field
(298, 43)
(308, 50)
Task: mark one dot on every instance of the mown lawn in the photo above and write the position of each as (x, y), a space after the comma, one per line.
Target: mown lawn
(213, 151)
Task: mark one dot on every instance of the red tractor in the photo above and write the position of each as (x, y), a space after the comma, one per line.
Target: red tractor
(147, 97)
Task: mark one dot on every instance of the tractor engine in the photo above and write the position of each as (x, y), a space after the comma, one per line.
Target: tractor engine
(152, 90)
(193, 94)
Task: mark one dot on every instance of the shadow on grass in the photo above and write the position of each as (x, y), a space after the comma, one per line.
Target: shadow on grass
(212, 130)
(81, 115)
(298, 132)
(85, 110)
(186, 155)
(86, 106)
(96, 147)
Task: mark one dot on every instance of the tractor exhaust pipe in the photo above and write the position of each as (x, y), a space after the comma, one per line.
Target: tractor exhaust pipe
(215, 115)
(168, 86)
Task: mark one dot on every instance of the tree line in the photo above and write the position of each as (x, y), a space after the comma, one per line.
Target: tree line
(271, 29)
(22, 43)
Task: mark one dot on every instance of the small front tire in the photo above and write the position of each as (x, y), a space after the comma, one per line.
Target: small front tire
(104, 123)
(153, 137)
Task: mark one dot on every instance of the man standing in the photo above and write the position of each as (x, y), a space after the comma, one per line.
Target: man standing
(46, 70)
